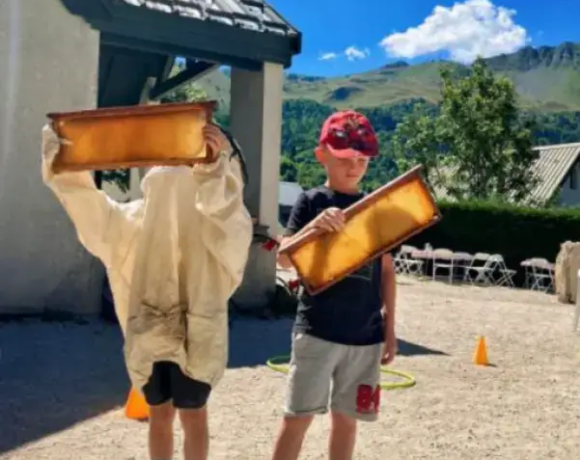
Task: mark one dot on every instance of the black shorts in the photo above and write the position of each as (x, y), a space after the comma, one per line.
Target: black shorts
(168, 382)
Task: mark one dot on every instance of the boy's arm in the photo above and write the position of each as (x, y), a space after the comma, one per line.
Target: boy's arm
(94, 215)
(389, 294)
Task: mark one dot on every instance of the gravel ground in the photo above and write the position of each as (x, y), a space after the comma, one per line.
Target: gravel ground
(62, 386)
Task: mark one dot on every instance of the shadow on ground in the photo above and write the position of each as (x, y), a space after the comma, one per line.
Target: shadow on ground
(54, 375)
(414, 349)
(253, 342)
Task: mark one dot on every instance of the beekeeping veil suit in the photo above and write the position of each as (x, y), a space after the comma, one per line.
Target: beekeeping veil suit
(173, 258)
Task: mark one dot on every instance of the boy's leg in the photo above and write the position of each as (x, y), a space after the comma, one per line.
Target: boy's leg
(311, 367)
(342, 436)
(355, 396)
(190, 397)
(157, 393)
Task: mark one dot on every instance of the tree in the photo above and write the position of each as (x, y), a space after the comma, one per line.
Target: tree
(416, 141)
(288, 170)
(479, 146)
(188, 92)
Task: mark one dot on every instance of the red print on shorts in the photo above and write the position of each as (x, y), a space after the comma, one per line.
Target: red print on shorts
(368, 399)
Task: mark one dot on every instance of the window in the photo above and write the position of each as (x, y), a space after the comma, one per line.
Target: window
(573, 178)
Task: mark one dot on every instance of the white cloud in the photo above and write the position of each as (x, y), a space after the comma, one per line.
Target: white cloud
(327, 56)
(353, 53)
(465, 30)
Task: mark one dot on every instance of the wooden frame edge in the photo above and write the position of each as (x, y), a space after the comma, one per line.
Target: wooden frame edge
(137, 110)
(313, 291)
(208, 106)
(413, 173)
(355, 208)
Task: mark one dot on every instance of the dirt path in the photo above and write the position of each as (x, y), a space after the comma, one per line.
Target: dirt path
(62, 386)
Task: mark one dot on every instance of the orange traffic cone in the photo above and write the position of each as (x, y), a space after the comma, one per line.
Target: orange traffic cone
(480, 353)
(136, 407)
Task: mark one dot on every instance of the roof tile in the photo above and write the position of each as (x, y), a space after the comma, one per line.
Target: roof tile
(254, 15)
(551, 168)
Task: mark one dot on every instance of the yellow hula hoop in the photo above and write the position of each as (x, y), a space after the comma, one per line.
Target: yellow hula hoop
(280, 364)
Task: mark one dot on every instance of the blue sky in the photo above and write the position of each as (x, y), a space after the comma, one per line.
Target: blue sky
(379, 31)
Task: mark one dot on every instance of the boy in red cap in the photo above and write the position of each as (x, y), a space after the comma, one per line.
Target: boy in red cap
(342, 335)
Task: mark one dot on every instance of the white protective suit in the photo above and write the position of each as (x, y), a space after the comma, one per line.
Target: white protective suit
(173, 259)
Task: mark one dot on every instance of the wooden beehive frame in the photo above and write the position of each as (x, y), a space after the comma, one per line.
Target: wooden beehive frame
(122, 112)
(317, 236)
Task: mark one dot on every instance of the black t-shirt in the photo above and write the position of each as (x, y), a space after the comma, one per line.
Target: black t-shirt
(349, 312)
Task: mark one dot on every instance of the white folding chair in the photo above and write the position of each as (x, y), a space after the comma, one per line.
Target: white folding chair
(481, 269)
(443, 259)
(506, 275)
(400, 261)
(528, 273)
(542, 276)
(405, 264)
(462, 261)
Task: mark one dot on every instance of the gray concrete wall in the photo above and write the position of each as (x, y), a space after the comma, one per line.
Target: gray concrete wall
(48, 62)
(256, 123)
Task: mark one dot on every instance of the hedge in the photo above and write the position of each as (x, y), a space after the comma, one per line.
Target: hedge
(514, 232)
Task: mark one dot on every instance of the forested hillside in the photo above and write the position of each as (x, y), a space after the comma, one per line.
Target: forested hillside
(302, 120)
(547, 80)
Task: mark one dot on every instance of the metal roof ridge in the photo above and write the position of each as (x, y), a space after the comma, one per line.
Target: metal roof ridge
(557, 146)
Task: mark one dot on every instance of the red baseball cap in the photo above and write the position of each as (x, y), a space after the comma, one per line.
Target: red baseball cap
(348, 134)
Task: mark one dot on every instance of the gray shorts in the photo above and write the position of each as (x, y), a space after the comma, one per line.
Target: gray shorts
(344, 377)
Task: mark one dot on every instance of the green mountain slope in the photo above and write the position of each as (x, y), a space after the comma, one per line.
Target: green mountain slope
(217, 87)
(378, 87)
(547, 79)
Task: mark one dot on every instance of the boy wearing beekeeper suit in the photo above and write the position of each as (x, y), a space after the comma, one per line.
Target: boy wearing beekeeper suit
(174, 259)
